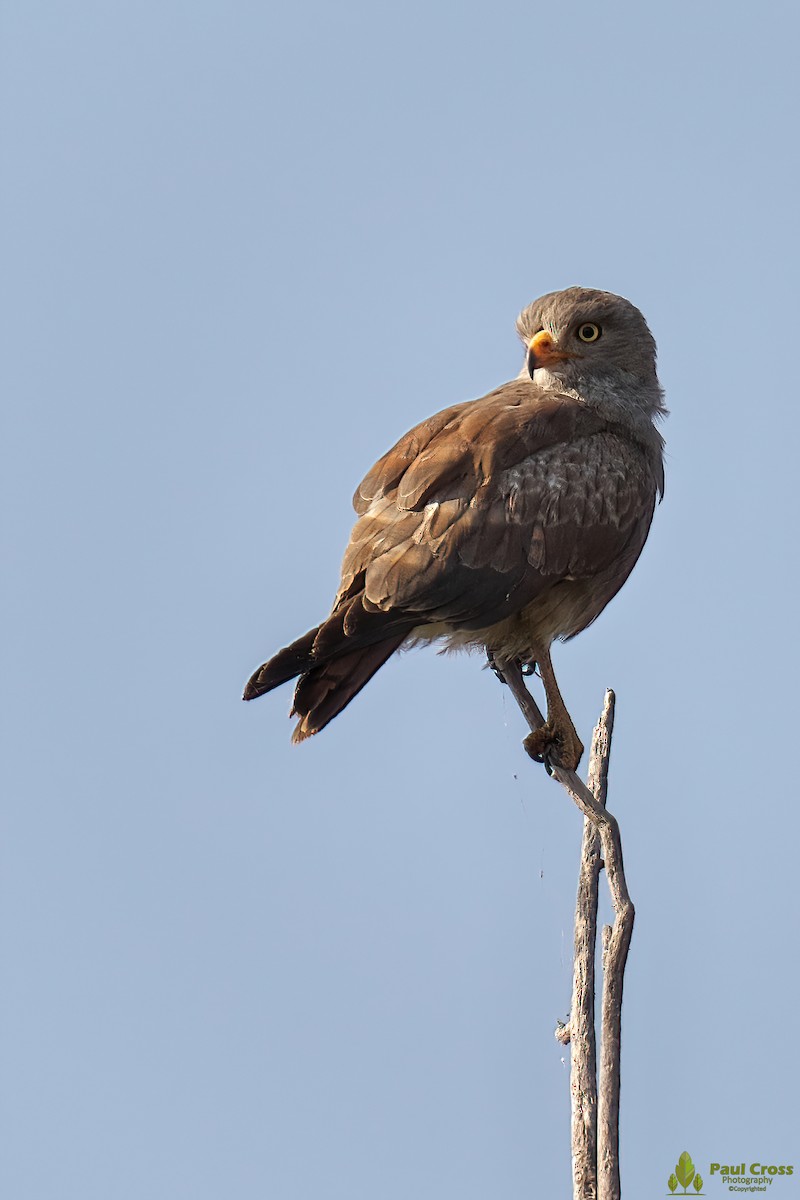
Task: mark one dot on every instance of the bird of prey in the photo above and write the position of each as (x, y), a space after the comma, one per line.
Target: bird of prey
(502, 523)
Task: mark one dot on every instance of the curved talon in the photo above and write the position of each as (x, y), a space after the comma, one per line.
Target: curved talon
(526, 668)
(544, 759)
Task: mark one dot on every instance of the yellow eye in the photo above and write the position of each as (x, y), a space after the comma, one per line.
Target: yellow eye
(589, 332)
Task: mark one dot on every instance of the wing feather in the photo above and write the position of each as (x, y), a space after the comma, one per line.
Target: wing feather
(484, 506)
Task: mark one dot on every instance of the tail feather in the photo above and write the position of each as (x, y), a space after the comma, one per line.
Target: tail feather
(323, 692)
(334, 661)
(288, 663)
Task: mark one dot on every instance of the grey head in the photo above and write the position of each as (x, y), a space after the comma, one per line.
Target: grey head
(593, 343)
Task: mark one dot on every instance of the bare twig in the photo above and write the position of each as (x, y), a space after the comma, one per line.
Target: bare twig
(595, 1147)
(583, 1074)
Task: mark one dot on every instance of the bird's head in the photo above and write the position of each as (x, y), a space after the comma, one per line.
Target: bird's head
(586, 339)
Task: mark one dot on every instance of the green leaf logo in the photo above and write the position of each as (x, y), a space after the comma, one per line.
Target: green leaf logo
(672, 1183)
(684, 1169)
(698, 1182)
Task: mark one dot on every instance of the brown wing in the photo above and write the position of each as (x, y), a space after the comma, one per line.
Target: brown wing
(469, 443)
(482, 507)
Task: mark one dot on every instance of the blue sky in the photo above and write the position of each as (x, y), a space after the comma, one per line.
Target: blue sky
(245, 248)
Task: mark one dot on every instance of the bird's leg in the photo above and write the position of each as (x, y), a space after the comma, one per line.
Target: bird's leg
(556, 741)
(492, 662)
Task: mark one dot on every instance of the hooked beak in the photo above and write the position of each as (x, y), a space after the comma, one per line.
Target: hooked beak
(542, 351)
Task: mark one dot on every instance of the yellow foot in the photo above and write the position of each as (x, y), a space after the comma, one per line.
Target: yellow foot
(558, 745)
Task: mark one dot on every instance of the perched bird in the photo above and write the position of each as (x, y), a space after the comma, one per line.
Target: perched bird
(502, 523)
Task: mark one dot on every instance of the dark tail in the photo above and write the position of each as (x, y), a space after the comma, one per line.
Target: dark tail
(322, 693)
(288, 663)
(332, 669)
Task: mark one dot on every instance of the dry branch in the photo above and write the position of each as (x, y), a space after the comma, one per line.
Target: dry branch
(595, 1119)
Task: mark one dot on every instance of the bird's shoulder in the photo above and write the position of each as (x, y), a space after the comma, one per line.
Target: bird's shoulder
(472, 441)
